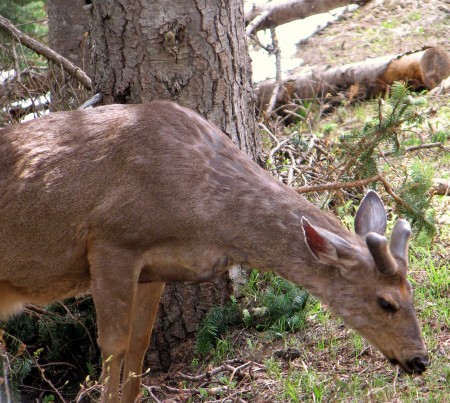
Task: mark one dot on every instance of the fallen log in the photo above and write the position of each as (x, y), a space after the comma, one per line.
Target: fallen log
(279, 12)
(441, 187)
(442, 88)
(421, 69)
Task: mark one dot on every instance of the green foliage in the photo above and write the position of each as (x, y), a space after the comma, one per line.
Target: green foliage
(328, 128)
(216, 322)
(285, 304)
(29, 16)
(415, 192)
(48, 399)
(14, 366)
(440, 136)
(360, 145)
(63, 334)
(389, 130)
(270, 303)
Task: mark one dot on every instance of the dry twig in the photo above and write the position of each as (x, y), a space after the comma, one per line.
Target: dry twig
(439, 145)
(338, 185)
(278, 87)
(49, 382)
(208, 375)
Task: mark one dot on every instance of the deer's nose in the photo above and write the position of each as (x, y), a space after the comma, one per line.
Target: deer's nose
(418, 364)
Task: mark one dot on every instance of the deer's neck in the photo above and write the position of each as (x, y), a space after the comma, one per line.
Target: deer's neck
(272, 238)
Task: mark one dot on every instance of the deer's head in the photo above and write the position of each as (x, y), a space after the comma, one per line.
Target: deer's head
(369, 287)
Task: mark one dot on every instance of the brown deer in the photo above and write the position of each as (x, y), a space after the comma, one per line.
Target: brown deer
(120, 199)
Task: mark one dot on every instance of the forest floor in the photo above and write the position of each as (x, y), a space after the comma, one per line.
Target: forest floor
(328, 361)
(378, 29)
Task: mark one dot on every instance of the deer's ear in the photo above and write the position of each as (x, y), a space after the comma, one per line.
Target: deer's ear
(327, 247)
(371, 216)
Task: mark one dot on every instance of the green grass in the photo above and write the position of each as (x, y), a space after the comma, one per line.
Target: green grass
(413, 16)
(390, 24)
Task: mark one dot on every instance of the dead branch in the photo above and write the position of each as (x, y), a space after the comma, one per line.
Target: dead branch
(252, 27)
(209, 383)
(278, 87)
(208, 375)
(276, 149)
(280, 12)
(397, 198)
(53, 387)
(150, 390)
(92, 101)
(36, 46)
(338, 185)
(85, 393)
(213, 391)
(5, 366)
(419, 147)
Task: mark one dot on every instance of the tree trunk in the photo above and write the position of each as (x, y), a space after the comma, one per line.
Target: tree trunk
(68, 25)
(194, 53)
(423, 69)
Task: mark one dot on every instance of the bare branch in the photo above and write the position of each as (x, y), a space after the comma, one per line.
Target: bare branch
(53, 387)
(36, 46)
(420, 147)
(92, 101)
(280, 12)
(279, 85)
(207, 375)
(338, 185)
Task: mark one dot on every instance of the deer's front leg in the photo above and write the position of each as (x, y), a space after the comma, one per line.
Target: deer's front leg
(114, 280)
(145, 310)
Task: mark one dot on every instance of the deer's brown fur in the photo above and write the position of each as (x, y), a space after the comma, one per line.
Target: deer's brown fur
(120, 199)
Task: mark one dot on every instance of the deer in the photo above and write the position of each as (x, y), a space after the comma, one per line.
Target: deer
(118, 200)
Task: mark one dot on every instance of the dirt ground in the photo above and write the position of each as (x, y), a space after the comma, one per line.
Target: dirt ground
(382, 27)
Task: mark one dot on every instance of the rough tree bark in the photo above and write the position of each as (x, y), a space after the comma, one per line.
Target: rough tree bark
(195, 53)
(68, 25)
(422, 69)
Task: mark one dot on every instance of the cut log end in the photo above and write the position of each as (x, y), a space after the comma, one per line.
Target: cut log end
(421, 69)
(435, 65)
(441, 187)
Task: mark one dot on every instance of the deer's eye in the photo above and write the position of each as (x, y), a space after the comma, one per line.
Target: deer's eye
(387, 306)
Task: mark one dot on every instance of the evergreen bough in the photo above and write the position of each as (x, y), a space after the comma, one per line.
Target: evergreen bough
(279, 308)
(360, 151)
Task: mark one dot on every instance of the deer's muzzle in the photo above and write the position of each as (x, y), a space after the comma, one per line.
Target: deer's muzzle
(416, 365)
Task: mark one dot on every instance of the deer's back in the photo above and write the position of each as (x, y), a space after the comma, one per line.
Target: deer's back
(135, 176)
(130, 174)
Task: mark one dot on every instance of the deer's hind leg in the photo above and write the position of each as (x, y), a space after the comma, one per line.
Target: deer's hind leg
(145, 310)
(11, 300)
(114, 282)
